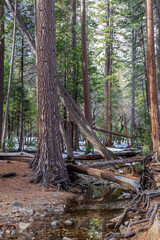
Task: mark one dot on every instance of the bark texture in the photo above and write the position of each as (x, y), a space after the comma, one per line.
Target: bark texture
(158, 53)
(1, 63)
(152, 77)
(48, 165)
(86, 84)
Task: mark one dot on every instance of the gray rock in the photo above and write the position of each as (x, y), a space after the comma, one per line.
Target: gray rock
(126, 223)
(20, 199)
(69, 222)
(54, 224)
(17, 204)
(50, 210)
(13, 232)
(66, 238)
(23, 226)
(26, 186)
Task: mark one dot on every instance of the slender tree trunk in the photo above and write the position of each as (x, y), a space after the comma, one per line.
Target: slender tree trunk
(106, 83)
(48, 165)
(109, 140)
(152, 77)
(74, 70)
(21, 107)
(86, 84)
(1, 64)
(133, 82)
(145, 65)
(10, 81)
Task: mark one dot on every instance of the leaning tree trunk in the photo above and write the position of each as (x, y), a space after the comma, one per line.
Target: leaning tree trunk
(10, 81)
(1, 64)
(152, 77)
(48, 165)
(71, 106)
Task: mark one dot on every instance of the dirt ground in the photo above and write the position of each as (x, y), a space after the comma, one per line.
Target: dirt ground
(18, 189)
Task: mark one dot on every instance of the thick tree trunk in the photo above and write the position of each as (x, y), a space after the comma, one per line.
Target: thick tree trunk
(10, 81)
(21, 107)
(48, 165)
(152, 77)
(158, 54)
(76, 113)
(1, 64)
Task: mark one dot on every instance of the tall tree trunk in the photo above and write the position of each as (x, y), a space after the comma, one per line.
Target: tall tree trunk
(74, 71)
(86, 84)
(106, 83)
(133, 82)
(152, 77)
(145, 65)
(21, 106)
(9, 83)
(158, 54)
(1, 63)
(109, 140)
(48, 165)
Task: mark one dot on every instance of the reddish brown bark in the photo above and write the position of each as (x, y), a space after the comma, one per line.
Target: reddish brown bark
(152, 76)
(1, 64)
(48, 165)
(86, 84)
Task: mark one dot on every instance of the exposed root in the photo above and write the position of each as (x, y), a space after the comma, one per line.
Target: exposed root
(112, 235)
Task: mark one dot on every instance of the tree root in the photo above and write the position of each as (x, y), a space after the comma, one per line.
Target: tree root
(114, 236)
(139, 204)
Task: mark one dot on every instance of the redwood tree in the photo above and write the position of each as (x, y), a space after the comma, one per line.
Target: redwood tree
(1, 63)
(48, 165)
(152, 76)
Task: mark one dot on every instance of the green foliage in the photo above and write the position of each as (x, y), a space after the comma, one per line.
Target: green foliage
(138, 167)
(11, 142)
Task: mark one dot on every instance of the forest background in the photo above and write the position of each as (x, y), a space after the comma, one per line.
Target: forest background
(117, 69)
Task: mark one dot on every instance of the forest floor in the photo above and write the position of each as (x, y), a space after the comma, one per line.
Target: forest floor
(21, 201)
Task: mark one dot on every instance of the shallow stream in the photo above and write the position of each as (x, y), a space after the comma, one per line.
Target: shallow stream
(84, 219)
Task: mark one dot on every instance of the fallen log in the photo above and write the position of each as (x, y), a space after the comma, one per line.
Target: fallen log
(112, 133)
(98, 156)
(131, 182)
(68, 102)
(123, 161)
(16, 154)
